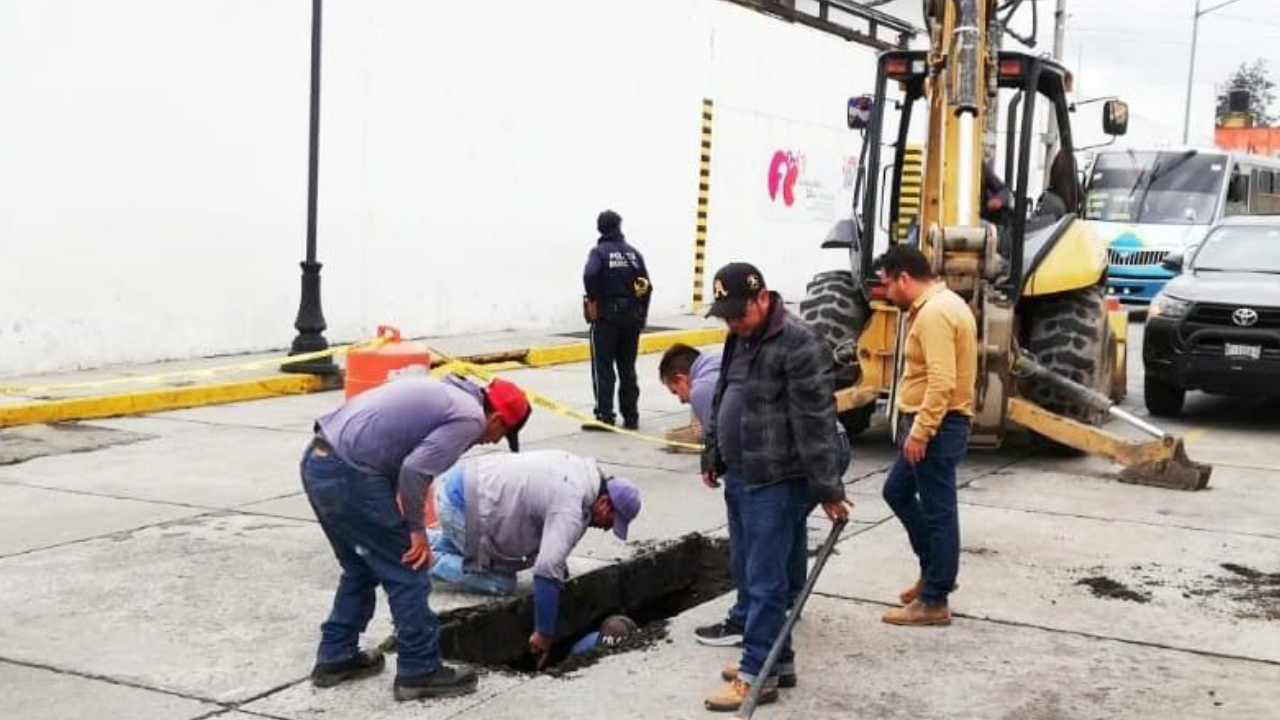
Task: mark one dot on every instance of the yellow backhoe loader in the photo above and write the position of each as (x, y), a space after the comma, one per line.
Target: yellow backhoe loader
(1052, 355)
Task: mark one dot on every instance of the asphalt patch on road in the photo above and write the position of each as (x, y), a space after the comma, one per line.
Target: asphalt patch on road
(1105, 587)
(1234, 589)
(1259, 591)
(27, 442)
(659, 582)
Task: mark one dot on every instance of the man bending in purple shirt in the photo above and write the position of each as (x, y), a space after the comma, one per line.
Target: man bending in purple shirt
(366, 473)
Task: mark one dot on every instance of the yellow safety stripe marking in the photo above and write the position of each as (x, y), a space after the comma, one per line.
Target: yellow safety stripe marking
(135, 403)
(160, 378)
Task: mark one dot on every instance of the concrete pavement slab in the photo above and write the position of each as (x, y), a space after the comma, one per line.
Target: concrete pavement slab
(220, 607)
(35, 693)
(1028, 568)
(211, 466)
(296, 412)
(33, 518)
(851, 665)
(1236, 501)
(371, 699)
(21, 444)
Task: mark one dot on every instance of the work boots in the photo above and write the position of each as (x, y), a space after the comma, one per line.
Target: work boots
(446, 681)
(363, 664)
(909, 595)
(733, 693)
(785, 679)
(917, 613)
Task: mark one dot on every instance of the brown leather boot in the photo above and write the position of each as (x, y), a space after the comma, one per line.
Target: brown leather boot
(732, 694)
(909, 595)
(917, 613)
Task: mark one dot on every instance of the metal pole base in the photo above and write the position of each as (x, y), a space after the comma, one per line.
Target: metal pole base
(310, 326)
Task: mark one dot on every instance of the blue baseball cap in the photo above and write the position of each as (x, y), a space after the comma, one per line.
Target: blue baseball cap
(624, 496)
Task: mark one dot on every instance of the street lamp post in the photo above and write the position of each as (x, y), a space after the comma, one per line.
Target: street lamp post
(310, 321)
(1191, 72)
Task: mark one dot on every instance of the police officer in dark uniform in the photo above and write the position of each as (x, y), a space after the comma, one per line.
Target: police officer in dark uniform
(616, 305)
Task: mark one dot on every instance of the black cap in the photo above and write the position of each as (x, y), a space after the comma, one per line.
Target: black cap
(608, 222)
(735, 284)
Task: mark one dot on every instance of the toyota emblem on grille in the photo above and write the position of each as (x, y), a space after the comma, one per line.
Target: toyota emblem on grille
(1244, 317)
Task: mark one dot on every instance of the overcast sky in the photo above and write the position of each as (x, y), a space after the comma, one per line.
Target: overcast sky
(1140, 51)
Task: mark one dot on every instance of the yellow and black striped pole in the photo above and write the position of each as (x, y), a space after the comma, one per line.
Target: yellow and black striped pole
(704, 194)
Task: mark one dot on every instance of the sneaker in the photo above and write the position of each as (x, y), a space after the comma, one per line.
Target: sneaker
(785, 680)
(363, 664)
(446, 681)
(917, 613)
(631, 424)
(732, 694)
(722, 634)
(599, 426)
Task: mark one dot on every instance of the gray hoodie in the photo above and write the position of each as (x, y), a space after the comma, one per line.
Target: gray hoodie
(527, 510)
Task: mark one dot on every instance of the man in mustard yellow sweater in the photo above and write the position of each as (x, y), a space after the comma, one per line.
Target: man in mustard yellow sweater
(935, 405)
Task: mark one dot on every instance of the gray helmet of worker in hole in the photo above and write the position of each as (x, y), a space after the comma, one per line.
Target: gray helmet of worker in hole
(615, 629)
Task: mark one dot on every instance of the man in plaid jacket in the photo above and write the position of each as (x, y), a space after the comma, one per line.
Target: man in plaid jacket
(772, 437)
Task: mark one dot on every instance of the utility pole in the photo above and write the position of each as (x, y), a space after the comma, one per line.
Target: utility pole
(1059, 39)
(1191, 71)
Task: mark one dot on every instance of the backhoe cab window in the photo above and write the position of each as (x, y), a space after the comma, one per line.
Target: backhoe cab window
(1167, 187)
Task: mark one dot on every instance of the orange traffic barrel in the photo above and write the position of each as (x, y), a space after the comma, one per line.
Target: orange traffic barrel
(369, 368)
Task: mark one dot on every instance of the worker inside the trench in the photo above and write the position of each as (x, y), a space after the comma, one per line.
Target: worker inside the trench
(500, 514)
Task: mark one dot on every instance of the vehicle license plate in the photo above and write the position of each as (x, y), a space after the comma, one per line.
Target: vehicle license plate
(1253, 352)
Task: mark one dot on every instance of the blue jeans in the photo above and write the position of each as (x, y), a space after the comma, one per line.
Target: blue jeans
(447, 546)
(368, 534)
(737, 558)
(773, 532)
(923, 496)
(797, 568)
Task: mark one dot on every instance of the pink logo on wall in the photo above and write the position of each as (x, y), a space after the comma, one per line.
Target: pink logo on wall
(784, 172)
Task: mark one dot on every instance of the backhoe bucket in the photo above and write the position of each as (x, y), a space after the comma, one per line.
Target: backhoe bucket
(1161, 463)
(1177, 471)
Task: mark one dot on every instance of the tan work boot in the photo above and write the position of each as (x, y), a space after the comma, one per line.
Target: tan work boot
(732, 694)
(909, 595)
(785, 680)
(917, 613)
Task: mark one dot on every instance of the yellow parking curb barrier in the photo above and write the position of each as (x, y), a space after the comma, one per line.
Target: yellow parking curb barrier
(135, 403)
(649, 343)
(158, 378)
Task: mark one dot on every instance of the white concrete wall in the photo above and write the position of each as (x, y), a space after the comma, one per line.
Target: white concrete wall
(153, 163)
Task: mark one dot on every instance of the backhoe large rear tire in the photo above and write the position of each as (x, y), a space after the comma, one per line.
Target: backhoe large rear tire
(1069, 336)
(834, 308)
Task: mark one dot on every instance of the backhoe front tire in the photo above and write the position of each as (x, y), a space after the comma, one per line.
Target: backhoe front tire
(834, 308)
(1069, 336)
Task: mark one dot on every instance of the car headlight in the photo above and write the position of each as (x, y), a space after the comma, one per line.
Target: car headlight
(1168, 307)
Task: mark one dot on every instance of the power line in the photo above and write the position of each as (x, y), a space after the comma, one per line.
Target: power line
(1251, 21)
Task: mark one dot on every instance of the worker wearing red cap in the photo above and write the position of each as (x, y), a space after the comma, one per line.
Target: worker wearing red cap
(366, 473)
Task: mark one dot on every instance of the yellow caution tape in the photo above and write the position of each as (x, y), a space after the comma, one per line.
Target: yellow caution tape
(159, 378)
(466, 368)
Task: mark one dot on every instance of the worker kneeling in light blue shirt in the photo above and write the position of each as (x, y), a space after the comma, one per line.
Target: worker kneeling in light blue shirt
(500, 514)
